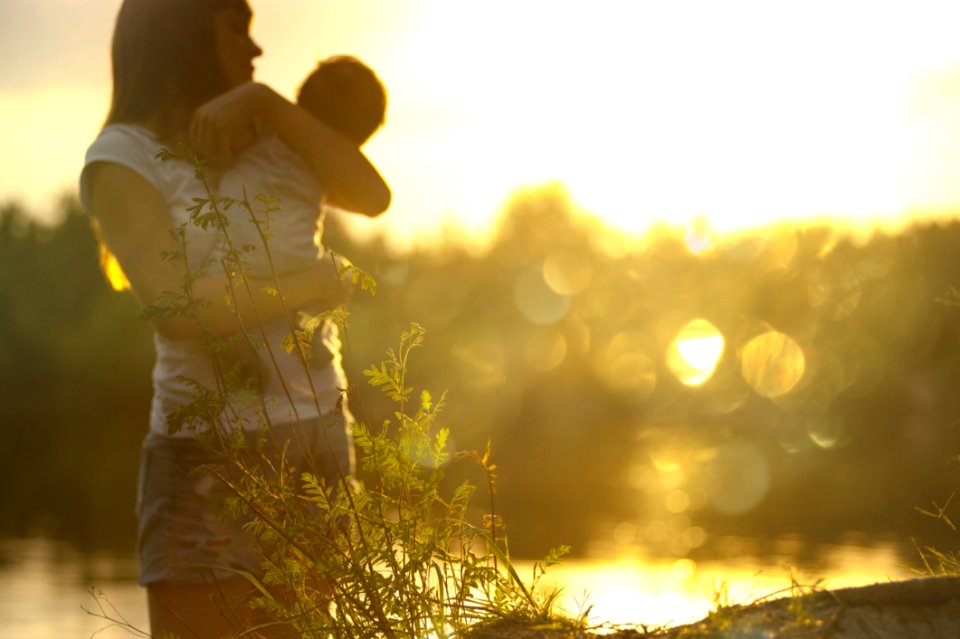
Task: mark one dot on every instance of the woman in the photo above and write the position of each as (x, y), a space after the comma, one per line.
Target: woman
(182, 73)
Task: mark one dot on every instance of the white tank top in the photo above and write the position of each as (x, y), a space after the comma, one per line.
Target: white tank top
(181, 364)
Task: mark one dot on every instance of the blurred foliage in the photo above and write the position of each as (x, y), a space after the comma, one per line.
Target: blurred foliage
(74, 381)
(554, 343)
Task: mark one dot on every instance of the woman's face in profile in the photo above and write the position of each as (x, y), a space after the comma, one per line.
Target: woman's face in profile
(235, 48)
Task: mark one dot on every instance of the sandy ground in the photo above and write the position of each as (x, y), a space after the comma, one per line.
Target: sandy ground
(917, 609)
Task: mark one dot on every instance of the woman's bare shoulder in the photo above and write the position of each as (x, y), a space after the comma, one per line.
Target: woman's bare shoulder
(137, 149)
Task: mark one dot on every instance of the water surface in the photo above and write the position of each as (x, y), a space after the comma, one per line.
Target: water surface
(45, 585)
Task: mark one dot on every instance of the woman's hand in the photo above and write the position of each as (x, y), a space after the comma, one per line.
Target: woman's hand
(217, 125)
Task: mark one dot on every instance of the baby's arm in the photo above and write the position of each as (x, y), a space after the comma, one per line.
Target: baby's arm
(340, 164)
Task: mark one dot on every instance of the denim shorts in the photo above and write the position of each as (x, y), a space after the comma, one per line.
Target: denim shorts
(183, 535)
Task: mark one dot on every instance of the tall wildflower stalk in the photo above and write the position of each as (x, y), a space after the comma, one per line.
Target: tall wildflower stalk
(392, 554)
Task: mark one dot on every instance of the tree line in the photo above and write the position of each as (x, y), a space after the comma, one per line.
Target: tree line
(554, 343)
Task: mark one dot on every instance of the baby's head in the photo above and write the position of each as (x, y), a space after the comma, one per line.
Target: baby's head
(347, 95)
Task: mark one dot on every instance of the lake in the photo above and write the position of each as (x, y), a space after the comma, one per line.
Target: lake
(45, 585)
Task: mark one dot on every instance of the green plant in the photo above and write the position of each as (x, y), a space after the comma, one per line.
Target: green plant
(400, 559)
(801, 602)
(937, 562)
(723, 616)
(393, 555)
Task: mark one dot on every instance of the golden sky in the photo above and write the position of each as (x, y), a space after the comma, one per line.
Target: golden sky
(741, 112)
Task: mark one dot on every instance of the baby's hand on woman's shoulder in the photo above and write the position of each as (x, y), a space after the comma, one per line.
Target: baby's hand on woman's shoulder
(233, 116)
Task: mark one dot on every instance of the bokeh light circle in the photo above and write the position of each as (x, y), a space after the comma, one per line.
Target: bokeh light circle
(544, 349)
(567, 272)
(626, 368)
(772, 363)
(695, 352)
(534, 298)
(739, 477)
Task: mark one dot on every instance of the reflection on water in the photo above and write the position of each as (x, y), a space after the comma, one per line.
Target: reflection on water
(656, 592)
(44, 588)
(44, 585)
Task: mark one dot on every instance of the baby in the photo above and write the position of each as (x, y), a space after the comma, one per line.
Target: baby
(346, 95)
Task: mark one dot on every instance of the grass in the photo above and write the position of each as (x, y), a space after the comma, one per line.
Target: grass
(936, 562)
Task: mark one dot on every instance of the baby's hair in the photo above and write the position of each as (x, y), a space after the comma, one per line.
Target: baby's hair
(346, 95)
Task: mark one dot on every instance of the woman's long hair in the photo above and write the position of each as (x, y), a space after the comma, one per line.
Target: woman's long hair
(165, 61)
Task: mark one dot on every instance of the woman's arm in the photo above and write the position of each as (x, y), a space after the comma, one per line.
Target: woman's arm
(339, 164)
(135, 225)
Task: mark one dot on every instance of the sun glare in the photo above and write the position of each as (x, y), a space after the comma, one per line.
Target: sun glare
(739, 113)
(728, 113)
